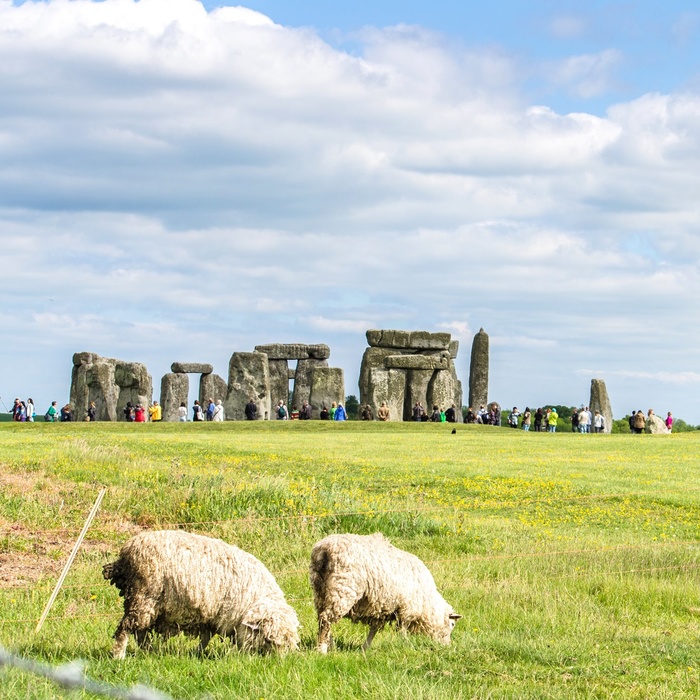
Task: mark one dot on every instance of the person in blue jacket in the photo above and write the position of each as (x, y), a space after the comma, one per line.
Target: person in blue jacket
(340, 413)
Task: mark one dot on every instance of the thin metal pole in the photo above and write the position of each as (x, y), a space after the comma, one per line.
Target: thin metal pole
(69, 563)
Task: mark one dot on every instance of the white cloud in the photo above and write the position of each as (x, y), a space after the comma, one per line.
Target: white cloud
(181, 183)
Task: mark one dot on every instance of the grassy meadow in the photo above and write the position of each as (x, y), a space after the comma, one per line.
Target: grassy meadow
(574, 559)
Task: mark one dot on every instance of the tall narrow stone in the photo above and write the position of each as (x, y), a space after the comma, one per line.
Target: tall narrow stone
(174, 391)
(417, 381)
(601, 402)
(479, 370)
(248, 378)
(386, 385)
(327, 386)
(279, 381)
(302, 380)
(442, 391)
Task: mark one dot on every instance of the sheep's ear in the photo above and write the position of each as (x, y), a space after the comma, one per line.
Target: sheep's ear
(455, 616)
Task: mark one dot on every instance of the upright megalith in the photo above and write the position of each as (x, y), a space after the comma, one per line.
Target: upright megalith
(600, 401)
(327, 386)
(302, 380)
(279, 381)
(479, 370)
(212, 387)
(248, 378)
(405, 367)
(174, 391)
(110, 383)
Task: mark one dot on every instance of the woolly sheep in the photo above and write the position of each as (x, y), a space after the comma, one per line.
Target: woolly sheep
(367, 579)
(174, 581)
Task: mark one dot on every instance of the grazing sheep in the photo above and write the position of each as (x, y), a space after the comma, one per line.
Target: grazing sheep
(367, 579)
(174, 581)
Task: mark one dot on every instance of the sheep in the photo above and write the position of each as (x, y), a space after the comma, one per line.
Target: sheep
(367, 579)
(174, 581)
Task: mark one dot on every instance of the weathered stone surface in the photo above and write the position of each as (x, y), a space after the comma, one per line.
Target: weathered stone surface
(295, 351)
(415, 340)
(291, 373)
(417, 381)
(248, 377)
(454, 349)
(386, 385)
(191, 368)
(110, 383)
(372, 358)
(601, 402)
(479, 370)
(174, 391)
(302, 380)
(655, 425)
(433, 362)
(327, 385)
(279, 381)
(212, 386)
(442, 390)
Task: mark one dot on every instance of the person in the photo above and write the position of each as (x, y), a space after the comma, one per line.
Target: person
(218, 415)
(383, 412)
(294, 415)
(22, 412)
(91, 413)
(470, 416)
(155, 412)
(305, 413)
(16, 409)
(129, 413)
(538, 420)
(552, 418)
(668, 421)
(599, 422)
(340, 413)
(589, 419)
(139, 414)
(527, 418)
(630, 420)
(182, 413)
(418, 412)
(443, 416)
(367, 412)
(282, 413)
(435, 416)
(451, 414)
(211, 406)
(334, 406)
(574, 420)
(482, 415)
(52, 414)
(197, 412)
(251, 409)
(66, 413)
(31, 410)
(513, 417)
(638, 422)
(325, 413)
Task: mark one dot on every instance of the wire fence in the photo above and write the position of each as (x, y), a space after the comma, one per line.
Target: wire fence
(72, 677)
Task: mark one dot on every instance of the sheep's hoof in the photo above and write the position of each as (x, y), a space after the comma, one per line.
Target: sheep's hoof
(322, 648)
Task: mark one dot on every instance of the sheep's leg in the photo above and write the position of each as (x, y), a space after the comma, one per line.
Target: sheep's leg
(139, 618)
(374, 627)
(324, 633)
(143, 639)
(204, 637)
(121, 639)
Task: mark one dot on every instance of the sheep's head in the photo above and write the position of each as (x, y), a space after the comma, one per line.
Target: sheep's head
(269, 627)
(447, 624)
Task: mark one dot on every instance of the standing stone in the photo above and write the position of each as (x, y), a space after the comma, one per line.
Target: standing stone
(110, 383)
(212, 386)
(248, 377)
(600, 402)
(174, 391)
(442, 391)
(386, 385)
(373, 358)
(302, 380)
(417, 381)
(327, 385)
(655, 425)
(479, 370)
(279, 381)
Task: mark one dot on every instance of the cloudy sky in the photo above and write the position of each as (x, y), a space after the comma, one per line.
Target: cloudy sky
(179, 180)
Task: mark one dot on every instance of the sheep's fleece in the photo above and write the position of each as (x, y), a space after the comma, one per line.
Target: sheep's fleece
(367, 579)
(174, 581)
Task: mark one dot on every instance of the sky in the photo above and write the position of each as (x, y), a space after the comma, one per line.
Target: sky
(180, 180)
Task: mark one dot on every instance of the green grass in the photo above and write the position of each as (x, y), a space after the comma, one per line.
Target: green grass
(574, 559)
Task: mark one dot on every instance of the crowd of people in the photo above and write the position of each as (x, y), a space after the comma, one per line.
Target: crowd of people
(582, 419)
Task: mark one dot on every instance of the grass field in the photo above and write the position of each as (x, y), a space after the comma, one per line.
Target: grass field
(575, 560)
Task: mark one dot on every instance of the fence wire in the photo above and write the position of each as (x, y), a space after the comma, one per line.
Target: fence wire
(72, 676)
